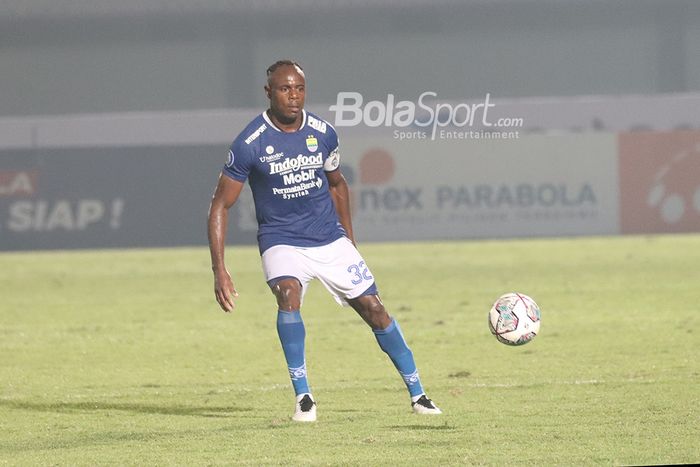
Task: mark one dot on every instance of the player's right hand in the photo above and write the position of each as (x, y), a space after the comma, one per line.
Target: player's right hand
(225, 291)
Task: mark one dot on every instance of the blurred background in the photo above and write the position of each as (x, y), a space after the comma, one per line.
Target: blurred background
(115, 117)
(76, 56)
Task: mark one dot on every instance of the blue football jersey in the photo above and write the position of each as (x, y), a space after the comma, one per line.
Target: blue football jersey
(287, 175)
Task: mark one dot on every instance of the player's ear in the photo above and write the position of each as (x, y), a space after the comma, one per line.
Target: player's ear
(267, 91)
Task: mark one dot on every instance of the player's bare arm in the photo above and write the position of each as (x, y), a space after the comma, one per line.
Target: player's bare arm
(226, 194)
(340, 193)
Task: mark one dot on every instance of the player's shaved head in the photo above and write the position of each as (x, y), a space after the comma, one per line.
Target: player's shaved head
(282, 63)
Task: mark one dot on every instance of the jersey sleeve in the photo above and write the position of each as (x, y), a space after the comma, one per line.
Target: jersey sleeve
(332, 162)
(240, 157)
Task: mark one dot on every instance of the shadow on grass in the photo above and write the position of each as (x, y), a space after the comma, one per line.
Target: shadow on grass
(67, 407)
(57, 438)
(443, 427)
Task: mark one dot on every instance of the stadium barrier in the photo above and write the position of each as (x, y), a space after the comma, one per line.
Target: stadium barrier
(145, 179)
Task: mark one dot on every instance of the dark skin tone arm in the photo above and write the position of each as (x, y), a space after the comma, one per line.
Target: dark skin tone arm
(226, 194)
(340, 194)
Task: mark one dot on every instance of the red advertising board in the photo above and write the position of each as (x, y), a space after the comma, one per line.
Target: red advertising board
(659, 181)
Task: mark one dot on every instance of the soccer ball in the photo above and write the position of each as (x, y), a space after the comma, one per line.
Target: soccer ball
(514, 319)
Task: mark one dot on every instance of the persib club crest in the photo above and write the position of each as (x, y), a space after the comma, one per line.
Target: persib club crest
(311, 143)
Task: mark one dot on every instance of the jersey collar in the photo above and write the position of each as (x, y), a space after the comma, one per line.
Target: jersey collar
(269, 122)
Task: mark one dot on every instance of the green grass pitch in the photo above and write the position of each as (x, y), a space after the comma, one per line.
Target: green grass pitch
(123, 358)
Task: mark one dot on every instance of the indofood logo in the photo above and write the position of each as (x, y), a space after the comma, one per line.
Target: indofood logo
(427, 117)
(296, 163)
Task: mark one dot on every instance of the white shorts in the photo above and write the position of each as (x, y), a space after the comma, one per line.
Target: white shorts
(338, 265)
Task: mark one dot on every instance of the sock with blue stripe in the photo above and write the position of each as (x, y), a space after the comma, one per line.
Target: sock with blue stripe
(392, 342)
(291, 331)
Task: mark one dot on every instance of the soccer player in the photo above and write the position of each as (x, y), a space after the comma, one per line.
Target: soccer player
(291, 161)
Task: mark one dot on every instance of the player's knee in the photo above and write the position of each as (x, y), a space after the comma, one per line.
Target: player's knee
(373, 312)
(288, 294)
(378, 316)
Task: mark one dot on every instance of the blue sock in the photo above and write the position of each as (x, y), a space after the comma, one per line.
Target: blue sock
(392, 342)
(291, 331)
